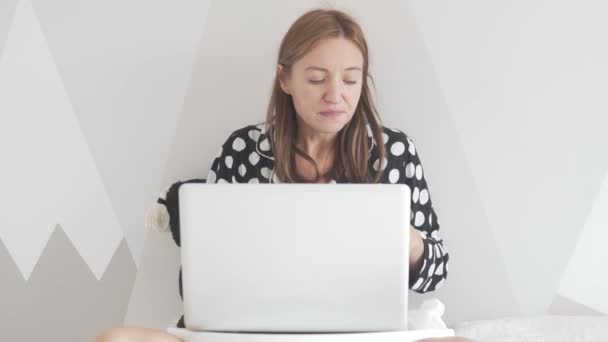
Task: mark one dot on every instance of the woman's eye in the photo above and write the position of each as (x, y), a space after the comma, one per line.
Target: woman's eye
(321, 81)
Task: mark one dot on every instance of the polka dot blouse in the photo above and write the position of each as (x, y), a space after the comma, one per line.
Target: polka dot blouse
(246, 157)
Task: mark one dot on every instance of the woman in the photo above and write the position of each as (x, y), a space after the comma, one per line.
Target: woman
(322, 127)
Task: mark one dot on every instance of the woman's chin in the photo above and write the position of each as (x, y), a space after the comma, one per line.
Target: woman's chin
(333, 128)
(333, 125)
(324, 125)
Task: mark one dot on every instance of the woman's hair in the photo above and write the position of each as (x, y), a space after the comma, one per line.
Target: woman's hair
(352, 146)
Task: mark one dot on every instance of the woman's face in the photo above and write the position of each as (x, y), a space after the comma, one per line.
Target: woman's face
(325, 85)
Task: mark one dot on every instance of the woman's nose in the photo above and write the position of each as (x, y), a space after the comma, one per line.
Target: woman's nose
(333, 92)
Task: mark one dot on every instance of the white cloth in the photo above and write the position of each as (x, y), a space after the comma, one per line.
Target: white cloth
(537, 329)
(427, 316)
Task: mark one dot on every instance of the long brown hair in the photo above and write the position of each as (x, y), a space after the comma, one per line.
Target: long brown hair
(352, 146)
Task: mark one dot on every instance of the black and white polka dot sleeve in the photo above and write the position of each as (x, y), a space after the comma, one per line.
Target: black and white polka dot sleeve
(222, 168)
(434, 268)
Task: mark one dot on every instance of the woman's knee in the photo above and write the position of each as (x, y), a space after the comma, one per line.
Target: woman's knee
(130, 334)
(118, 334)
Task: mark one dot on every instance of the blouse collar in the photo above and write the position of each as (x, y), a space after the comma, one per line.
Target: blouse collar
(264, 149)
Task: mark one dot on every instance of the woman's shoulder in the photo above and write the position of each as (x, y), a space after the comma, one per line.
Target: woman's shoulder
(247, 140)
(245, 137)
(251, 132)
(396, 142)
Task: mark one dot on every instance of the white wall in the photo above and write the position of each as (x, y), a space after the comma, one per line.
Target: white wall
(525, 85)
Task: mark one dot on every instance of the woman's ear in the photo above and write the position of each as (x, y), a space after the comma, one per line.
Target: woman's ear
(282, 76)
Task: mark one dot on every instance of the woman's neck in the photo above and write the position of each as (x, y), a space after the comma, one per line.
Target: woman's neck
(321, 148)
(317, 145)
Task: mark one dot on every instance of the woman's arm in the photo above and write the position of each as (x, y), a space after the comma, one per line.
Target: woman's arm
(428, 256)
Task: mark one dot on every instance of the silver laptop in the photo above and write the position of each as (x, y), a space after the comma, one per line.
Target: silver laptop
(298, 258)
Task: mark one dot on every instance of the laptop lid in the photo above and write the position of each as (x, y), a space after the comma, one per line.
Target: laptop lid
(295, 257)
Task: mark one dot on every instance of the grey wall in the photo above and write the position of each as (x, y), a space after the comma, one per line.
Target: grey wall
(103, 104)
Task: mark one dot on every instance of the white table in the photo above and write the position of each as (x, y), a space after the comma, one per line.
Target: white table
(392, 336)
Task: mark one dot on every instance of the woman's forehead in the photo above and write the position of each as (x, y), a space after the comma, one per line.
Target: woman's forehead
(332, 55)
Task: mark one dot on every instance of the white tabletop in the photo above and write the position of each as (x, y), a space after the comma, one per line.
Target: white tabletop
(392, 336)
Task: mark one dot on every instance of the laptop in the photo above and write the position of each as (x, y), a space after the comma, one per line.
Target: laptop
(295, 258)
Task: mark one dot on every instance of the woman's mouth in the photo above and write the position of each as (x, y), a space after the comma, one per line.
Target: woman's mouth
(331, 113)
